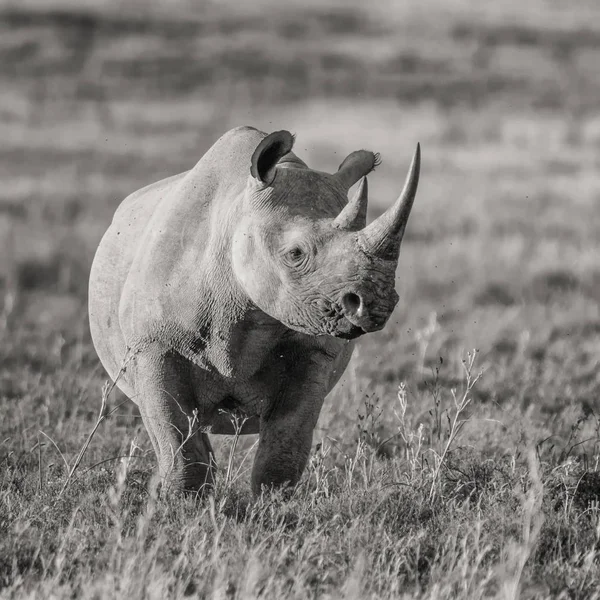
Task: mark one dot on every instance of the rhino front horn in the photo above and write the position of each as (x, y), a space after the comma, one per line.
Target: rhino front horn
(382, 238)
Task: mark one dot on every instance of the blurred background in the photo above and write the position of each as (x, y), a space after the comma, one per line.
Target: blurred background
(502, 251)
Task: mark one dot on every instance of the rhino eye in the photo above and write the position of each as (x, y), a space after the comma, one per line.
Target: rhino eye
(296, 257)
(295, 254)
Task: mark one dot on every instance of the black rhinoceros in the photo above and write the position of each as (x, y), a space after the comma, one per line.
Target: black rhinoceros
(238, 287)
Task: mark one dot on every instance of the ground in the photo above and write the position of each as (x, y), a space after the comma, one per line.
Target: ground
(426, 481)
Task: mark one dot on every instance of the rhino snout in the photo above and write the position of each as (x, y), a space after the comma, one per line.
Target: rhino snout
(366, 311)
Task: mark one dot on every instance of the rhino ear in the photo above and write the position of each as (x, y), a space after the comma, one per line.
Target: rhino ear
(268, 153)
(356, 165)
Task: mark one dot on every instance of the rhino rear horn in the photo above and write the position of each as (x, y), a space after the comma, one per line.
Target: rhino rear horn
(356, 165)
(354, 214)
(268, 153)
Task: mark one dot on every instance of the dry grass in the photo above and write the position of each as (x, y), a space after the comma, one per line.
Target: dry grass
(421, 485)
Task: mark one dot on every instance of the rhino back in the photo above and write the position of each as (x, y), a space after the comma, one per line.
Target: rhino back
(110, 269)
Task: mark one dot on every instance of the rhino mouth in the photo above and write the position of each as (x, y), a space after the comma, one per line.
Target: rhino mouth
(354, 332)
(348, 331)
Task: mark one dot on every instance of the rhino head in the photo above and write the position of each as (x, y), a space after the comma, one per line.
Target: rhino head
(305, 255)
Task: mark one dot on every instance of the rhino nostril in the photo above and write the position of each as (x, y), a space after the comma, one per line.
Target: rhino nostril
(352, 303)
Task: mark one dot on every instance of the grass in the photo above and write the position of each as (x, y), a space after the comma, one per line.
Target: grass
(423, 482)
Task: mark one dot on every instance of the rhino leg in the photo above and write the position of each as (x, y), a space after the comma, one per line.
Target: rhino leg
(166, 401)
(286, 428)
(283, 449)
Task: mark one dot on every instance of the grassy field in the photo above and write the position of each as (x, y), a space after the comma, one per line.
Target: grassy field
(427, 480)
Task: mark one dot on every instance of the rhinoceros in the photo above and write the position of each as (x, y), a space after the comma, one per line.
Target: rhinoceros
(237, 289)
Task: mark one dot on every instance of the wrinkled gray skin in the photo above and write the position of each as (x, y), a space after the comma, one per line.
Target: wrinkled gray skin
(237, 287)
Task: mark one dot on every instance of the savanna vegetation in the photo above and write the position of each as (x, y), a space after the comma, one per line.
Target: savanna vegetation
(459, 459)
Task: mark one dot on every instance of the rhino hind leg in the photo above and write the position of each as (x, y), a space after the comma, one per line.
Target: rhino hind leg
(165, 397)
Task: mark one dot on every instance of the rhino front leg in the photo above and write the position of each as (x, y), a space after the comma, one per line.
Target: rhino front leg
(166, 401)
(284, 445)
(286, 428)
